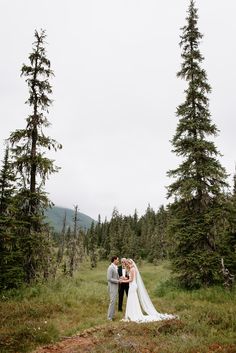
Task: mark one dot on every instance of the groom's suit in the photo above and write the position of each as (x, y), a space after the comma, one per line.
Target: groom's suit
(113, 280)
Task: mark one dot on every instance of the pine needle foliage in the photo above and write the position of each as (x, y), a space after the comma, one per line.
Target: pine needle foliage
(200, 180)
(28, 148)
(11, 274)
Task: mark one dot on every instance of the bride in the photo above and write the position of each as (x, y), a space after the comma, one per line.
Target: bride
(139, 307)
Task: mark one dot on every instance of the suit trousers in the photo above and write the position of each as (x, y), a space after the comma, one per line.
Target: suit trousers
(123, 287)
(112, 291)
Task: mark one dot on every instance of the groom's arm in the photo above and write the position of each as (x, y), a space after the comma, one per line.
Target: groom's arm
(109, 276)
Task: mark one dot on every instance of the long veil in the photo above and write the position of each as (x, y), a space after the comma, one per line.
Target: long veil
(145, 300)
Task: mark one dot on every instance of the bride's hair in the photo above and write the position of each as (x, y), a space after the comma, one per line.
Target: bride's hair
(130, 262)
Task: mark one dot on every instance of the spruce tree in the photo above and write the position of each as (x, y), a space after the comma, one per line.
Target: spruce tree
(158, 242)
(28, 149)
(11, 273)
(98, 231)
(200, 178)
(62, 239)
(7, 184)
(116, 234)
(105, 248)
(234, 184)
(73, 250)
(147, 226)
(92, 245)
(129, 243)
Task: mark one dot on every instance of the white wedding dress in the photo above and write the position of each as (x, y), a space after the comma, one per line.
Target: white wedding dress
(139, 307)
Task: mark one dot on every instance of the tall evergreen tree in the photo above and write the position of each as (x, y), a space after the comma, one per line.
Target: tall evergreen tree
(28, 149)
(234, 183)
(61, 248)
(200, 178)
(147, 225)
(11, 274)
(105, 248)
(159, 242)
(7, 184)
(92, 245)
(115, 233)
(73, 251)
(129, 243)
(98, 231)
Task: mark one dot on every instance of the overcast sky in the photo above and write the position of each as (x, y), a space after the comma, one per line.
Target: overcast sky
(115, 92)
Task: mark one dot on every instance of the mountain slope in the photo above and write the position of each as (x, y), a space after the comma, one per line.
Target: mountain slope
(55, 216)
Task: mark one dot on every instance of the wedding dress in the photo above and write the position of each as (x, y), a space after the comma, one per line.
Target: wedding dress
(139, 307)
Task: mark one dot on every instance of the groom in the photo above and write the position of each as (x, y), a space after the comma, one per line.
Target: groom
(113, 281)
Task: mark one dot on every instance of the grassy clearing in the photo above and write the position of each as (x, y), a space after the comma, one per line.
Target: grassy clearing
(46, 313)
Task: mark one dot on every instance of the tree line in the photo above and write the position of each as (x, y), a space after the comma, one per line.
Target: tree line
(196, 231)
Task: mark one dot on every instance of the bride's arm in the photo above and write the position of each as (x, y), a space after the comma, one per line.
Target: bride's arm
(131, 277)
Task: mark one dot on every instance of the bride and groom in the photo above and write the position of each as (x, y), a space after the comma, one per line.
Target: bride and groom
(139, 307)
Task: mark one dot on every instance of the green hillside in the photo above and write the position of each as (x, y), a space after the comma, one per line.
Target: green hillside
(55, 217)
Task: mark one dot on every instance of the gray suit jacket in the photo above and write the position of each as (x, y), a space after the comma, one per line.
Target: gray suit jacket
(112, 277)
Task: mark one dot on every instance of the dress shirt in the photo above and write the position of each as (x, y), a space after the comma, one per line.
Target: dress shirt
(116, 268)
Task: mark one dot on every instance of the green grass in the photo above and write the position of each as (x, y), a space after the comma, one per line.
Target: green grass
(46, 313)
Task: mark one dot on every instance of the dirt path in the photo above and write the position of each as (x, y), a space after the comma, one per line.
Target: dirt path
(83, 342)
(92, 339)
(121, 338)
(70, 345)
(80, 343)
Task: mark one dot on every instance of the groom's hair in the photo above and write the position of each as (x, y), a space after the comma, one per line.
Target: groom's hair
(114, 258)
